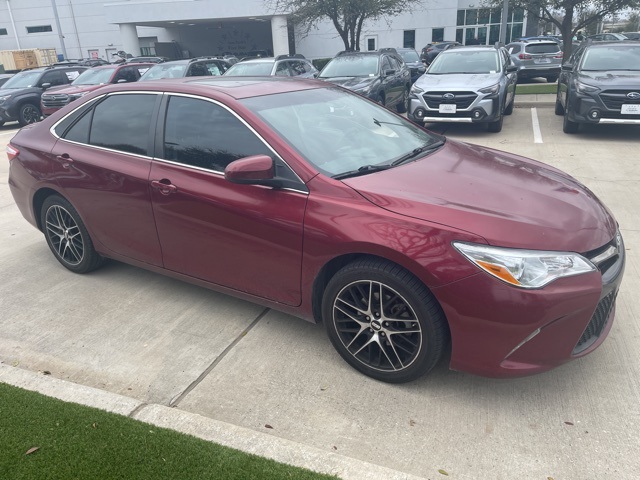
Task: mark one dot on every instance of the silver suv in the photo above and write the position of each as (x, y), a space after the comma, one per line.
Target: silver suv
(536, 58)
(466, 85)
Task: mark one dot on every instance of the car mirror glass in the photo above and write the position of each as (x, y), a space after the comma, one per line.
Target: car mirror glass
(44, 86)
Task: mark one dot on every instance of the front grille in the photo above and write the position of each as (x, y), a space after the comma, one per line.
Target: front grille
(55, 101)
(614, 99)
(597, 323)
(462, 100)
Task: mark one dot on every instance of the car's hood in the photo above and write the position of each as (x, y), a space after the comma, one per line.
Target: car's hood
(614, 78)
(17, 91)
(457, 81)
(507, 199)
(72, 89)
(353, 83)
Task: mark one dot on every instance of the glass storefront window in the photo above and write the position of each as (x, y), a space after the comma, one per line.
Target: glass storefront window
(482, 35)
(437, 35)
(494, 34)
(496, 15)
(460, 17)
(472, 17)
(459, 35)
(483, 16)
(518, 15)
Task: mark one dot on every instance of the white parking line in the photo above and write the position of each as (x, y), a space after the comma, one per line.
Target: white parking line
(537, 134)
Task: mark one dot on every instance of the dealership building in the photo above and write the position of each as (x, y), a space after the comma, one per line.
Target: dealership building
(189, 28)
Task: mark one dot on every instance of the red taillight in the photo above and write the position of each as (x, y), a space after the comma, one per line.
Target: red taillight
(429, 49)
(12, 152)
(560, 55)
(525, 56)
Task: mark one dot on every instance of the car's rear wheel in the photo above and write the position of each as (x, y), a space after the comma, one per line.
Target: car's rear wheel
(383, 321)
(67, 236)
(28, 113)
(552, 78)
(1, 123)
(403, 106)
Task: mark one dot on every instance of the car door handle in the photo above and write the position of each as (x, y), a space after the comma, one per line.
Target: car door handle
(65, 160)
(165, 186)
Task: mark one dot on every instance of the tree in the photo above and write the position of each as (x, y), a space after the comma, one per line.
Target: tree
(570, 16)
(633, 22)
(347, 16)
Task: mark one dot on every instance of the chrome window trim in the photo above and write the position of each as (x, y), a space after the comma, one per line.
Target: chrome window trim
(52, 129)
(218, 172)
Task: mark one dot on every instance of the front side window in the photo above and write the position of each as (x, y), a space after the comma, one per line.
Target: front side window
(123, 122)
(54, 78)
(202, 134)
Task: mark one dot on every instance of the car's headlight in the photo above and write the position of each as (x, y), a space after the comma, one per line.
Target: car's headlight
(4, 99)
(416, 90)
(585, 89)
(492, 89)
(525, 268)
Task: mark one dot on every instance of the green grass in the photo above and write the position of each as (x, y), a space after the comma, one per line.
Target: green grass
(77, 442)
(534, 88)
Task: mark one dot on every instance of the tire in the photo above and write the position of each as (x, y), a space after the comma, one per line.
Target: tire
(552, 78)
(509, 109)
(495, 127)
(1, 123)
(403, 106)
(559, 108)
(29, 113)
(567, 125)
(67, 236)
(395, 340)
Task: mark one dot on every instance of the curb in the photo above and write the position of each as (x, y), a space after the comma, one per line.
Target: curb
(229, 435)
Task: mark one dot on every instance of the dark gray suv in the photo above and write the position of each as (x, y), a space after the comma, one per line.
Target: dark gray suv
(20, 96)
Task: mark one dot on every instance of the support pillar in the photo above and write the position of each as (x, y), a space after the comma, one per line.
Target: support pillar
(129, 37)
(279, 35)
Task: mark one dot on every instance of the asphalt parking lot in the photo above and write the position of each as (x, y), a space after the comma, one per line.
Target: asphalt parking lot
(160, 341)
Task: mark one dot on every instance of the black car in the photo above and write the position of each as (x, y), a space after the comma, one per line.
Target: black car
(379, 75)
(20, 96)
(412, 61)
(431, 51)
(600, 84)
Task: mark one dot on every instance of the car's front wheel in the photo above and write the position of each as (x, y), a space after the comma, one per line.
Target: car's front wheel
(403, 106)
(67, 236)
(28, 113)
(383, 321)
(569, 126)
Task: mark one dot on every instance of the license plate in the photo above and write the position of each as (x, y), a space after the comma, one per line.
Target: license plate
(447, 108)
(541, 60)
(628, 109)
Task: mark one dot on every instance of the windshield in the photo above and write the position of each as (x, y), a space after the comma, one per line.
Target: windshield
(337, 131)
(23, 80)
(410, 56)
(164, 70)
(250, 68)
(94, 77)
(351, 66)
(460, 61)
(612, 57)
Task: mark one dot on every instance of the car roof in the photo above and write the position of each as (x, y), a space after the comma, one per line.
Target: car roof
(466, 48)
(234, 87)
(624, 43)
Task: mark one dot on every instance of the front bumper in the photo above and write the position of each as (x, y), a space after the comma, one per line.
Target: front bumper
(7, 114)
(592, 109)
(502, 331)
(470, 107)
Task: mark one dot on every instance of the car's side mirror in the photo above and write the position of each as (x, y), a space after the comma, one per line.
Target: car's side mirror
(389, 72)
(512, 68)
(567, 67)
(44, 86)
(253, 170)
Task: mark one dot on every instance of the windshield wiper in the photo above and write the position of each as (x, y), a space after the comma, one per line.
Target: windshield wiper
(363, 170)
(428, 148)
(379, 123)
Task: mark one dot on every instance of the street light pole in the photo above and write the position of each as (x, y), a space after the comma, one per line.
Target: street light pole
(55, 14)
(503, 24)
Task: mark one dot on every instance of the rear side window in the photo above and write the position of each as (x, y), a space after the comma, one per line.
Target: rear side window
(514, 48)
(123, 122)
(202, 134)
(80, 131)
(542, 48)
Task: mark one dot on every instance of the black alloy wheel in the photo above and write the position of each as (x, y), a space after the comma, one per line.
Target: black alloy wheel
(67, 236)
(383, 321)
(403, 106)
(28, 113)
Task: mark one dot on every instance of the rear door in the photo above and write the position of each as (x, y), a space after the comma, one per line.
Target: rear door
(102, 164)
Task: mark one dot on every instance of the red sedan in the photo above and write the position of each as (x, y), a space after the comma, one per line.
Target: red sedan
(304, 197)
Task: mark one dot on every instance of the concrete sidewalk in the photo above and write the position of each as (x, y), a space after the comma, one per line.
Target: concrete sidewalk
(535, 100)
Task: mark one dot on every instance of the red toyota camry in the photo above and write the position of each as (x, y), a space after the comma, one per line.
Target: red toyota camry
(304, 197)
